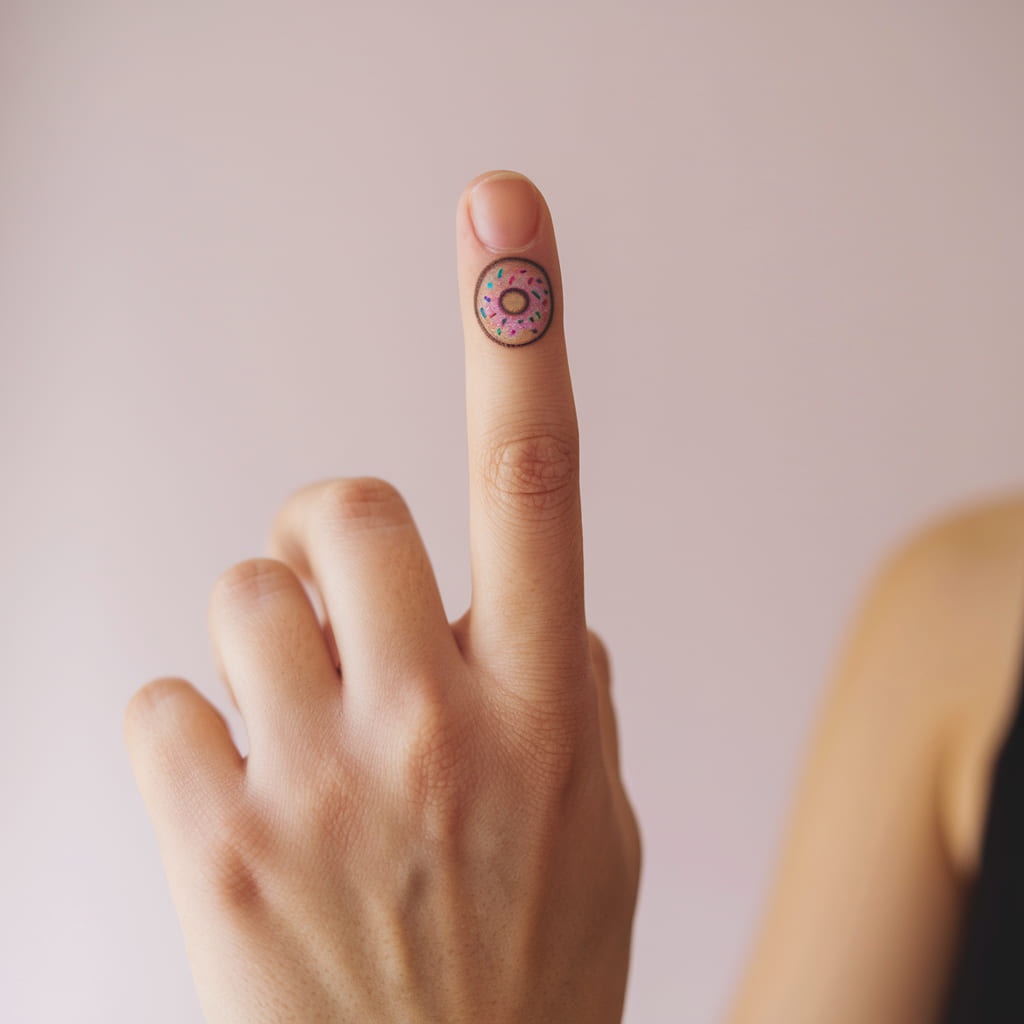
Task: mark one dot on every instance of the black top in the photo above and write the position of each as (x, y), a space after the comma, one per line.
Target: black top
(987, 984)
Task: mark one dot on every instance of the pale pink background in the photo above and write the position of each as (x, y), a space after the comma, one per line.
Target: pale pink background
(791, 236)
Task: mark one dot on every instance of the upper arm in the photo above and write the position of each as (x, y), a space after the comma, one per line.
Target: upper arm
(862, 919)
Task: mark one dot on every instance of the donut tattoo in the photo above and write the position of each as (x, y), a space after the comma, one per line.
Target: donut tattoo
(514, 302)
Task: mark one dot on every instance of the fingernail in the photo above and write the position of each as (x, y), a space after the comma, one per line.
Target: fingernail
(505, 211)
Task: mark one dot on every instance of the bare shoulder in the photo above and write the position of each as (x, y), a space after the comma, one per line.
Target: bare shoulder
(945, 615)
(885, 823)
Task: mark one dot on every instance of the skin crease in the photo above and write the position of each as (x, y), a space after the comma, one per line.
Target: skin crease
(430, 824)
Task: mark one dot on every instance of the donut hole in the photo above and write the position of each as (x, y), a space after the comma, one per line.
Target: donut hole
(513, 301)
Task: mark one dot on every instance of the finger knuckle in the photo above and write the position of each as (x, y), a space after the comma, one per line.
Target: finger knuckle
(360, 503)
(534, 474)
(549, 744)
(252, 581)
(232, 852)
(157, 704)
(434, 762)
(319, 793)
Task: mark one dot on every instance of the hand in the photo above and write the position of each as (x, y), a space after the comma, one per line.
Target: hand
(430, 824)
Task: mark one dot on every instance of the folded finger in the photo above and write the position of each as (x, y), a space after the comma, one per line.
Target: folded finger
(355, 540)
(186, 765)
(271, 651)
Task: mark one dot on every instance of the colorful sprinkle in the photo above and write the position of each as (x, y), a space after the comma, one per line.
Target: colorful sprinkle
(532, 321)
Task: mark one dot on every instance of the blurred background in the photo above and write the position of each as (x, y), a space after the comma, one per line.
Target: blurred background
(791, 239)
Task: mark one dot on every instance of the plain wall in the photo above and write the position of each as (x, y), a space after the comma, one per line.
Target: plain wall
(791, 239)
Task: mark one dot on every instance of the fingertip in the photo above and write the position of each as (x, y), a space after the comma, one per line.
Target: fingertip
(501, 212)
(144, 708)
(170, 707)
(176, 739)
(505, 212)
(496, 172)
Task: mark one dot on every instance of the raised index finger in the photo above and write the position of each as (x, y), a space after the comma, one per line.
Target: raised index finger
(525, 532)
